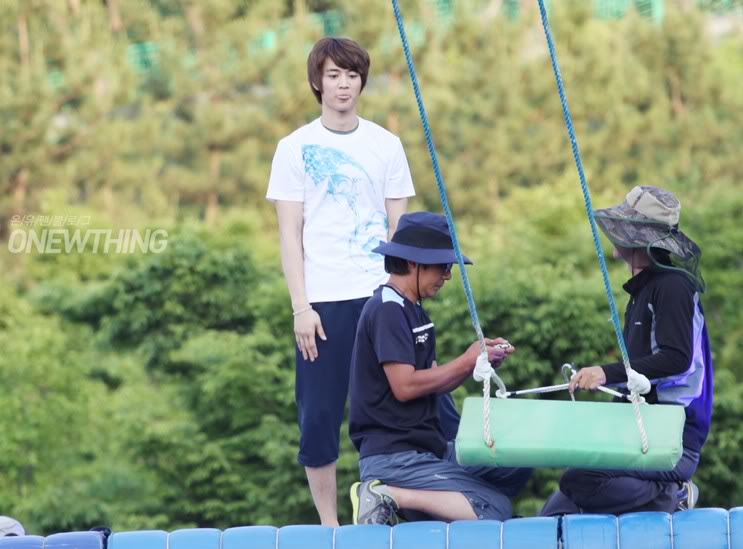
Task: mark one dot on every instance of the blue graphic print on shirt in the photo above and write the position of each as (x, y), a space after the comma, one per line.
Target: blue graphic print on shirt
(342, 174)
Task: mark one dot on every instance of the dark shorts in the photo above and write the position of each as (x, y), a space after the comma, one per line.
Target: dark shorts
(322, 386)
(619, 492)
(488, 489)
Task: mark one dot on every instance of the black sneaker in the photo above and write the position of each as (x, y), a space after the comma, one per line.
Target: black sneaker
(688, 496)
(371, 507)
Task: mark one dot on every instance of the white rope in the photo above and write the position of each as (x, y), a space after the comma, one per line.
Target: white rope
(634, 398)
(486, 413)
(482, 362)
(485, 372)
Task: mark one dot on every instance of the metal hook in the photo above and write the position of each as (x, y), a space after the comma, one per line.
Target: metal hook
(568, 376)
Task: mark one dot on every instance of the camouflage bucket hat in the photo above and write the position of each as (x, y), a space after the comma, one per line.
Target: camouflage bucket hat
(648, 218)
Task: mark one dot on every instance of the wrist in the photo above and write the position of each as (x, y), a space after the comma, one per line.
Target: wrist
(300, 303)
(302, 310)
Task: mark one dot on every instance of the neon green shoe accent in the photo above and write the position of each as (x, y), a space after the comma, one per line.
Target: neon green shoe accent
(371, 507)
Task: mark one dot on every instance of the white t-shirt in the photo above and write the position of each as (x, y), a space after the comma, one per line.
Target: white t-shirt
(343, 181)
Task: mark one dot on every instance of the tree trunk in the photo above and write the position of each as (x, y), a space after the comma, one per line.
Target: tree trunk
(100, 89)
(212, 205)
(492, 9)
(677, 96)
(108, 200)
(300, 18)
(193, 16)
(495, 198)
(393, 121)
(212, 197)
(20, 190)
(114, 16)
(196, 23)
(23, 44)
(175, 203)
(300, 8)
(74, 7)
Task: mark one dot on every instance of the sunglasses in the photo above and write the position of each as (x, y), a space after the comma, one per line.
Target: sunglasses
(445, 267)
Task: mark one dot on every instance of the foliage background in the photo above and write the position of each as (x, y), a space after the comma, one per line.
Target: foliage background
(156, 391)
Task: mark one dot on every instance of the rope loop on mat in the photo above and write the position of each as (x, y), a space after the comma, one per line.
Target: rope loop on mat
(449, 220)
(594, 231)
(487, 437)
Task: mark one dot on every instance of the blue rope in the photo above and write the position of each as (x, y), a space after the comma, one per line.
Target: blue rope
(439, 178)
(584, 186)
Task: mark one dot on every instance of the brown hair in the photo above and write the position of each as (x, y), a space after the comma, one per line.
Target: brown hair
(344, 52)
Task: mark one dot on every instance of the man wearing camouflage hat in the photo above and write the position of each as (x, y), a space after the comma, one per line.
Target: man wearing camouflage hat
(667, 343)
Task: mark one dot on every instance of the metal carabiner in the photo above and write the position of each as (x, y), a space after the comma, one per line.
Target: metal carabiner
(568, 371)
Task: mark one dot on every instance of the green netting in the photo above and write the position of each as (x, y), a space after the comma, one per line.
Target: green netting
(143, 56)
(719, 6)
(511, 8)
(555, 433)
(444, 8)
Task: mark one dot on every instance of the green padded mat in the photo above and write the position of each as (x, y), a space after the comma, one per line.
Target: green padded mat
(559, 433)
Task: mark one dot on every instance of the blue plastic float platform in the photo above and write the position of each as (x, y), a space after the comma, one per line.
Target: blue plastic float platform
(696, 529)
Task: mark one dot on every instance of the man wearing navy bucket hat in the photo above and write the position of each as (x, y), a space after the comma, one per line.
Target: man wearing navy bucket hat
(406, 464)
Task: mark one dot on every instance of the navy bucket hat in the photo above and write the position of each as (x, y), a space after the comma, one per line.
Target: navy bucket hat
(422, 237)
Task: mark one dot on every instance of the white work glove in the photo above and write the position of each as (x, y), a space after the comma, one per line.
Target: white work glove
(638, 383)
(483, 369)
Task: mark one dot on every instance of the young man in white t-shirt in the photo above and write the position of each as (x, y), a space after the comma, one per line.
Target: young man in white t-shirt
(340, 184)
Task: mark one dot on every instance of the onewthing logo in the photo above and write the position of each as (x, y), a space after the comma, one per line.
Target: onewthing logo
(63, 234)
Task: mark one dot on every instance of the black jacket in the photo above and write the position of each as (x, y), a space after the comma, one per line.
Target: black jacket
(666, 338)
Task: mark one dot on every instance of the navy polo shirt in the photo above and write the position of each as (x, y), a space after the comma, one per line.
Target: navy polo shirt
(392, 329)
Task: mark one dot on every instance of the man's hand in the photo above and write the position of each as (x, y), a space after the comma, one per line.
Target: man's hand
(483, 370)
(473, 351)
(306, 325)
(498, 349)
(587, 378)
(638, 383)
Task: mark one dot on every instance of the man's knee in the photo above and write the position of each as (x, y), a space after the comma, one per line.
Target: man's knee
(491, 506)
(319, 437)
(315, 458)
(581, 486)
(517, 481)
(557, 505)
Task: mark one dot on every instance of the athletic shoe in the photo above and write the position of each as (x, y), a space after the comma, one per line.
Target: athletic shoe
(688, 496)
(370, 506)
(11, 527)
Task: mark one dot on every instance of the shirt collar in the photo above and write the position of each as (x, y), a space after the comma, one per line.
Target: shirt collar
(637, 282)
